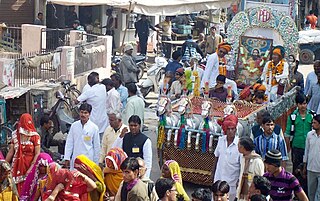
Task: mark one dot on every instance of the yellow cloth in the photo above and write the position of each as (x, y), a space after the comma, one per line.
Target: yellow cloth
(97, 173)
(113, 180)
(7, 194)
(176, 176)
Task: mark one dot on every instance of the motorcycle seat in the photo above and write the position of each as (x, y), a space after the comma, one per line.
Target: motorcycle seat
(139, 58)
(66, 82)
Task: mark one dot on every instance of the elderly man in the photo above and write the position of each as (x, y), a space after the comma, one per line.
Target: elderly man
(227, 157)
(128, 68)
(135, 143)
(275, 73)
(213, 68)
(113, 131)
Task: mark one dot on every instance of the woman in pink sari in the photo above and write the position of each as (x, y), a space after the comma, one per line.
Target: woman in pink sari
(36, 179)
(63, 184)
(24, 150)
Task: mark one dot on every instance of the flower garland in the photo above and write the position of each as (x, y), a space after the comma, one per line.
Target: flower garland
(222, 66)
(276, 70)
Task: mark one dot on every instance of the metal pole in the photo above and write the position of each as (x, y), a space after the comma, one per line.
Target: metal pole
(125, 31)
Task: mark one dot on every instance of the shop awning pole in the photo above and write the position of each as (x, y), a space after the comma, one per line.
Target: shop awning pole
(125, 31)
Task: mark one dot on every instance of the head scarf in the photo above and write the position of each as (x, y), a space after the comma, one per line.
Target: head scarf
(115, 177)
(279, 50)
(57, 175)
(26, 125)
(8, 181)
(225, 46)
(176, 176)
(244, 93)
(128, 47)
(95, 170)
(259, 87)
(174, 170)
(229, 121)
(116, 156)
(30, 186)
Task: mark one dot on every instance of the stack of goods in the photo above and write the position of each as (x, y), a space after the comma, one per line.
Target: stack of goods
(309, 36)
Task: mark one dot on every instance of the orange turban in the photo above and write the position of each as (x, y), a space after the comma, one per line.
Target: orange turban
(225, 46)
(259, 87)
(277, 51)
(229, 121)
(244, 93)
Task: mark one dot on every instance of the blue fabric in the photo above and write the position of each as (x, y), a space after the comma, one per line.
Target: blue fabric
(173, 66)
(264, 144)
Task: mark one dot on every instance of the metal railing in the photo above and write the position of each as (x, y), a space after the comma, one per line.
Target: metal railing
(55, 38)
(11, 39)
(86, 59)
(26, 76)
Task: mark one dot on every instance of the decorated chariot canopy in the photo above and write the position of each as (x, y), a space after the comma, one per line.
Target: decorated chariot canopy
(264, 22)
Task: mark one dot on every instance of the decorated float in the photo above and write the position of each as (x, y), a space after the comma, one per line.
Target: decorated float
(188, 128)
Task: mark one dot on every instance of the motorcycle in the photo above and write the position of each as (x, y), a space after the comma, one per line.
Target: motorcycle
(140, 61)
(154, 75)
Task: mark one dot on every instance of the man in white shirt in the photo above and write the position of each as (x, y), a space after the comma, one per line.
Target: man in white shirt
(96, 96)
(123, 91)
(227, 156)
(311, 160)
(113, 97)
(135, 105)
(111, 133)
(135, 143)
(212, 67)
(83, 138)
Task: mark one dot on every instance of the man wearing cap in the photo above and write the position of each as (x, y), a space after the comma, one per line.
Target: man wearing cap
(128, 68)
(283, 183)
(178, 85)
(227, 157)
(311, 160)
(275, 72)
(216, 64)
(142, 30)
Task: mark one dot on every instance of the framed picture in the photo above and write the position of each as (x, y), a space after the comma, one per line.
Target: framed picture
(252, 56)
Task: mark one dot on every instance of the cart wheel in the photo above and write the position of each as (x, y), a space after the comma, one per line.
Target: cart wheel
(306, 56)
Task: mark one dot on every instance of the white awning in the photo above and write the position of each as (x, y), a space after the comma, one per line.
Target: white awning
(155, 7)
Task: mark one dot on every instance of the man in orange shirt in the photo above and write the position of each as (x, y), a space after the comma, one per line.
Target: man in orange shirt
(312, 19)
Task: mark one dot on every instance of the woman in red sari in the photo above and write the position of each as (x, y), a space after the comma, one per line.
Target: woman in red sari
(24, 149)
(63, 184)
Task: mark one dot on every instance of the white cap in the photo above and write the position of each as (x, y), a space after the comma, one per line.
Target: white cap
(127, 47)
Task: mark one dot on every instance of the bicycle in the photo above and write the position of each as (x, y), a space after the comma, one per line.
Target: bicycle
(6, 136)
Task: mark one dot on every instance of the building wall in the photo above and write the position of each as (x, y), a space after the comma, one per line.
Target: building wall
(17, 11)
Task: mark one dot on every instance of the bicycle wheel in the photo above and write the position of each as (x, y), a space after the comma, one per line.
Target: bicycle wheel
(6, 136)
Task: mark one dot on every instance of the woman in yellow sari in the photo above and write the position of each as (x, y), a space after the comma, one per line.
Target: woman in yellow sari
(171, 169)
(84, 165)
(112, 173)
(8, 190)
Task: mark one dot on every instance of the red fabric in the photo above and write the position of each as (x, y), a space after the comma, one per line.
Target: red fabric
(71, 184)
(26, 122)
(244, 93)
(24, 151)
(229, 121)
(313, 20)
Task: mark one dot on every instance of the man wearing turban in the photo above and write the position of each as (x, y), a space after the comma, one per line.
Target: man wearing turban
(227, 156)
(275, 72)
(214, 62)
